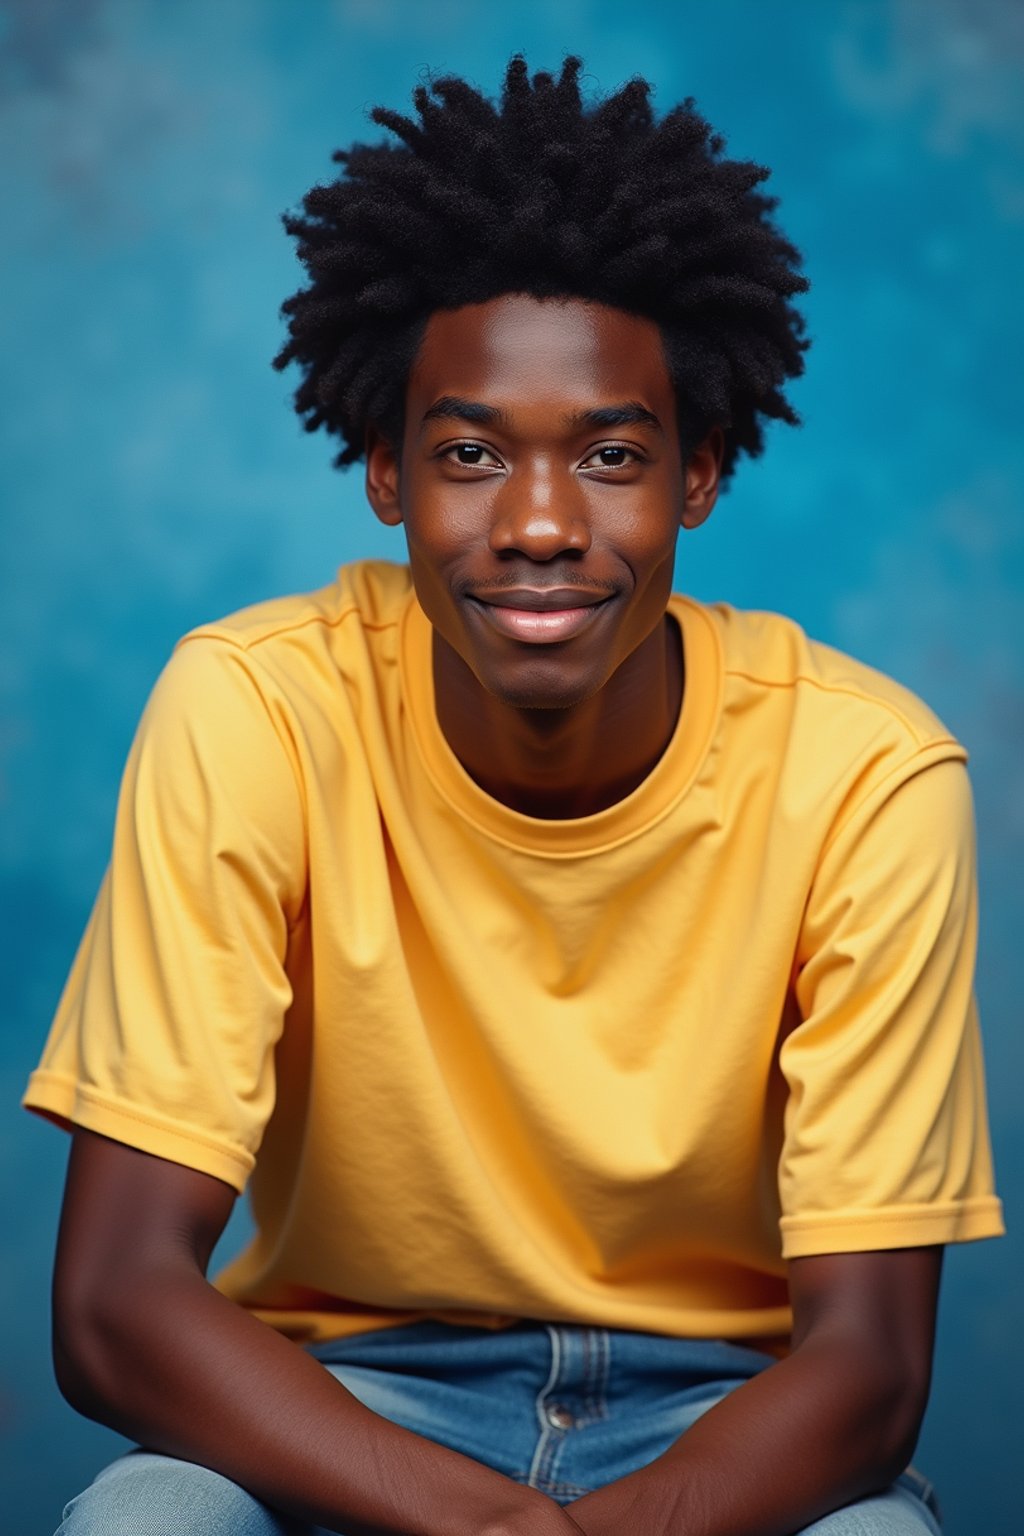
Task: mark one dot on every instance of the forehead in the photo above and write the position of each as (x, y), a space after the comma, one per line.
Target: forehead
(522, 352)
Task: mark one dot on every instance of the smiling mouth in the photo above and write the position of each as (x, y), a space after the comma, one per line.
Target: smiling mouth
(539, 623)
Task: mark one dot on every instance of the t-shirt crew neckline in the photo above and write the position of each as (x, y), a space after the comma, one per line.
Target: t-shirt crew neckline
(663, 787)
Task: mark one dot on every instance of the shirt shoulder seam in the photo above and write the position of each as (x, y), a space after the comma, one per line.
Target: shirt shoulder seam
(923, 739)
(242, 643)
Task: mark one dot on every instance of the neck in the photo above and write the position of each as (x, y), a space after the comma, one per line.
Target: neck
(563, 763)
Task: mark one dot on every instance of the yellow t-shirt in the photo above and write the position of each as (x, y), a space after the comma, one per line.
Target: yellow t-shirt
(480, 1065)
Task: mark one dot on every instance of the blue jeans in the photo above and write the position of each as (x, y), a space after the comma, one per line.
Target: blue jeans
(562, 1408)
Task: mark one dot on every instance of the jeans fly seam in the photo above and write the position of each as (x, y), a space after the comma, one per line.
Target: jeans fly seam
(537, 1463)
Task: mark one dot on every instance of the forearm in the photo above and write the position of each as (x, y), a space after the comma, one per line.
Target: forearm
(187, 1372)
(824, 1427)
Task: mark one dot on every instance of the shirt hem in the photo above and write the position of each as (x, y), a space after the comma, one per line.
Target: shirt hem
(910, 1226)
(316, 1325)
(68, 1103)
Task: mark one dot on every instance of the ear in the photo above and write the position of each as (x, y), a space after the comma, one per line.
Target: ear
(703, 477)
(382, 478)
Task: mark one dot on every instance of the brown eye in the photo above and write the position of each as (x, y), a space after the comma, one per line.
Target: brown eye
(611, 456)
(471, 456)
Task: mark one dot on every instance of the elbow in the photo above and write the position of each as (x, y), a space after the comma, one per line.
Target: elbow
(91, 1348)
(76, 1386)
(869, 1404)
(895, 1415)
(82, 1362)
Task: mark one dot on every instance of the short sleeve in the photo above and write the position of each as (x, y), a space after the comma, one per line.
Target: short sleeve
(164, 1037)
(886, 1139)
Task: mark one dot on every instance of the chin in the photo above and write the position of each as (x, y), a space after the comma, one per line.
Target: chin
(538, 692)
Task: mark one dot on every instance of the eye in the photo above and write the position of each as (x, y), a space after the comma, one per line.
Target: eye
(471, 455)
(610, 456)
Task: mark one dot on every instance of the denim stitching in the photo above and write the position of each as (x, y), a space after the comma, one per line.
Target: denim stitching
(538, 1466)
(603, 1341)
(591, 1374)
(587, 1385)
(574, 1490)
(556, 1437)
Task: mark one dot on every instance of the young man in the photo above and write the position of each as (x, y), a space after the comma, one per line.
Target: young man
(582, 974)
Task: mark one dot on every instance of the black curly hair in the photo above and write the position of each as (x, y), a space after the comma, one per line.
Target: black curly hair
(545, 196)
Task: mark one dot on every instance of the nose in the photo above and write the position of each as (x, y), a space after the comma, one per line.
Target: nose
(536, 519)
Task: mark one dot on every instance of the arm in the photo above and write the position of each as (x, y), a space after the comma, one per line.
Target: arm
(144, 1344)
(836, 1420)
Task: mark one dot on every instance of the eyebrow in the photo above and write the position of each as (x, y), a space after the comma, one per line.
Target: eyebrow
(629, 414)
(454, 408)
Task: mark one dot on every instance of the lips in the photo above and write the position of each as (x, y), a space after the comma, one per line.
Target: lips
(540, 599)
(540, 616)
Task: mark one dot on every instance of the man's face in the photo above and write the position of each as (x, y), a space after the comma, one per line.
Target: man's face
(542, 487)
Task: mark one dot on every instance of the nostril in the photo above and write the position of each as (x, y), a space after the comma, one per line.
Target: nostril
(540, 531)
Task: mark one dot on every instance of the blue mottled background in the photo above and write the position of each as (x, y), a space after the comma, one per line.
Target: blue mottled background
(154, 474)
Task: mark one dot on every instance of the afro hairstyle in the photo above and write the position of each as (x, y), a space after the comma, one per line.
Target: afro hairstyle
(542, 194)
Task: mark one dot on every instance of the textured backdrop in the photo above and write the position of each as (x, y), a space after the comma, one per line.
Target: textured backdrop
(154, 475)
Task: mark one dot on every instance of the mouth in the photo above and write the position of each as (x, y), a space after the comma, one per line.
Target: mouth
(538, 616)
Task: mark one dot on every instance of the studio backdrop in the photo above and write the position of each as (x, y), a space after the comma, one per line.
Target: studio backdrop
(154, 474)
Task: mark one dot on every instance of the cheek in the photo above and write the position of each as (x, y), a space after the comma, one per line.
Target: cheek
(442, 531)
(445, 520)
(646, 533)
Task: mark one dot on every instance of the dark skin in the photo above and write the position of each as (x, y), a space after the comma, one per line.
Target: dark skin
(551, 501)
(521, 507)
(144, 1344)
